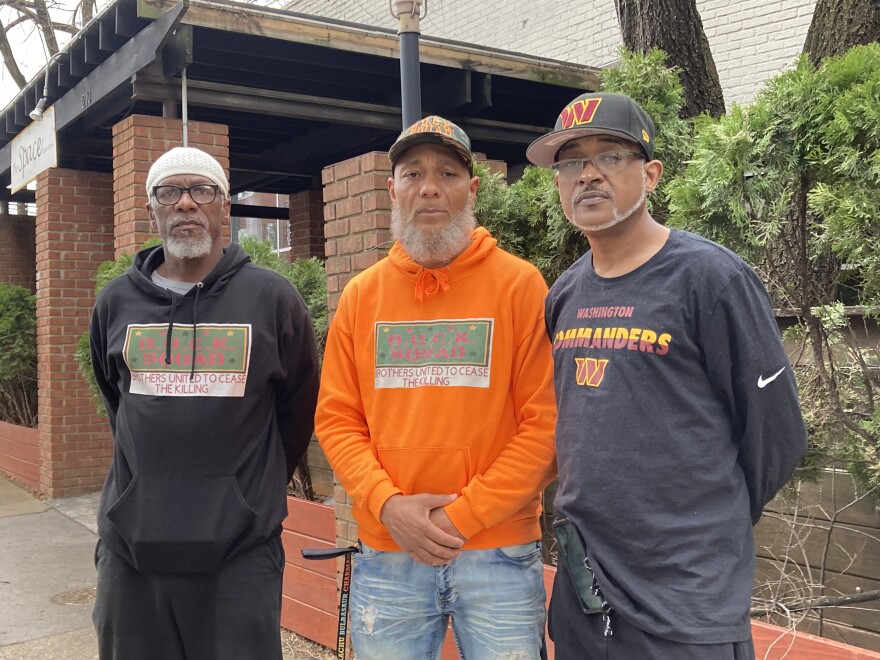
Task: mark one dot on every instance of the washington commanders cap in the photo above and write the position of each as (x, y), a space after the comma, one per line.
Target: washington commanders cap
(595, 113)
(437, 130)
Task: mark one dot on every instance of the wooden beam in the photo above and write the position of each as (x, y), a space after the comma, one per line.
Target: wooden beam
(264, 212)
(108, 39)
(277, 24)
(106, 79)
(271, 102)
(92, 51)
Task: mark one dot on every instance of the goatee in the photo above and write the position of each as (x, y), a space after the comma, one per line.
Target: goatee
(193, 244)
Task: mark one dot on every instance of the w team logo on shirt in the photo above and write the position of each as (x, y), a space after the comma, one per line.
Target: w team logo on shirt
(590, 372)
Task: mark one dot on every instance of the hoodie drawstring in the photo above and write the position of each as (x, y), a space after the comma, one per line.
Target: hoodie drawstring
(170, 328)
(192, 354)
(430, 282)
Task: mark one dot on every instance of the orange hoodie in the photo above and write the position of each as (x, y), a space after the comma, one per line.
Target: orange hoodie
(440, 381)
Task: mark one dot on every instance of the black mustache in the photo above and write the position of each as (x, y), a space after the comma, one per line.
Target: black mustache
(588, 191)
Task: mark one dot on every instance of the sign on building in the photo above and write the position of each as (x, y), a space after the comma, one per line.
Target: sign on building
(34, 150)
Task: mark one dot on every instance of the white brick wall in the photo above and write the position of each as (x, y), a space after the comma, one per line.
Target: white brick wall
(751, 40)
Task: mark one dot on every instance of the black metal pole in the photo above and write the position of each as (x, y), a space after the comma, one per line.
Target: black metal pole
(408, 13)
(410, 79)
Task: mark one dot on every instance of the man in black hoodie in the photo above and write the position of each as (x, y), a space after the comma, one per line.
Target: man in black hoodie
(207, 365)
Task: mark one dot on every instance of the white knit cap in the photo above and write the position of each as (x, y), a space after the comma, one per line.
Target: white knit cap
(186, 160)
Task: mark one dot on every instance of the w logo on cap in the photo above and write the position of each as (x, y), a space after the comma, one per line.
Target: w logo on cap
(580, 112)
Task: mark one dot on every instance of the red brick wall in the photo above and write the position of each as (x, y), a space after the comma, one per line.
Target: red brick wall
(357, 219)
(306, 225)
(18, 251)
(74, 233)
(357, 215)
(20, 453)
(138, 141)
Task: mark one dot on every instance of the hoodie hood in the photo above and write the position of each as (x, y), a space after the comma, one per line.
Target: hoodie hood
(149, 259)
(429, 282)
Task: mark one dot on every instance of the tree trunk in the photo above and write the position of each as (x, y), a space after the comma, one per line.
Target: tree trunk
(674, 26)
(838, 25)
(87, 10)
(44, 22)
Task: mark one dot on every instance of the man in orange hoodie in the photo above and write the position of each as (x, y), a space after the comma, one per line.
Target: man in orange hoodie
(436, 413)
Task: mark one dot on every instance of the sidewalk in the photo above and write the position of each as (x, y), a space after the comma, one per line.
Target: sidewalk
(47, 579)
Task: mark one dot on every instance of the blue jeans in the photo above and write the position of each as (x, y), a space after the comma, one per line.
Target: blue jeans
(400, 608)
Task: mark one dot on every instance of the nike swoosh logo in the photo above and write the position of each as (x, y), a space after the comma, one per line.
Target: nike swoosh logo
(763, 382)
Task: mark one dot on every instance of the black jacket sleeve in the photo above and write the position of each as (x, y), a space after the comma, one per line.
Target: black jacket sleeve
(297, 394)
(106, 375)
(749, 368)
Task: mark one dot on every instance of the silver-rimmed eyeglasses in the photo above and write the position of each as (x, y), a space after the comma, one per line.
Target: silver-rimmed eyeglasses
(201, 193)
(608, 162)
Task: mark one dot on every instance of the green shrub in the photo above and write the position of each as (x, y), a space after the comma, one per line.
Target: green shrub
(307, 275)
(792, 183)
(18, 356)
(528, 221)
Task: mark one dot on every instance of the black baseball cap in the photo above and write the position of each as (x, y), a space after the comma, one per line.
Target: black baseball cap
(437, 130)
(595, 113)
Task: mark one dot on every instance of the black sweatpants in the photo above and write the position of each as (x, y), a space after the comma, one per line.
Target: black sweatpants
(579, 636)
(233, 614)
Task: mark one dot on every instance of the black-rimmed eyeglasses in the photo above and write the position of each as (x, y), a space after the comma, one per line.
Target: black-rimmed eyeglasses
(608, 162)
(200, 193)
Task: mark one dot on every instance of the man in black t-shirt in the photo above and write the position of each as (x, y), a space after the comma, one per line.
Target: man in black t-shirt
(678, 413)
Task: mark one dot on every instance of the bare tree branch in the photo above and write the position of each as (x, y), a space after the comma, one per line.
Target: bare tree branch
(9, 60)
(817, 603)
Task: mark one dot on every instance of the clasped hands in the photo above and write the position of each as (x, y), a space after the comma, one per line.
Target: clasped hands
(420, 526)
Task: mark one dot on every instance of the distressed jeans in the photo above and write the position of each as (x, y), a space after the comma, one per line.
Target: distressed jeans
(400, 608)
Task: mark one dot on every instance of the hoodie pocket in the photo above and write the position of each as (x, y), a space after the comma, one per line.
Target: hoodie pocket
(175, 524)
(437, 470)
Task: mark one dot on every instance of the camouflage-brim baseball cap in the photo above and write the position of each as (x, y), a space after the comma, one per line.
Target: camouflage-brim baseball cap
(437, 130)
(595, 113)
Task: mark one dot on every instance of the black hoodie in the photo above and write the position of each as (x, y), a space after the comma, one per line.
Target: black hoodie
(211, 399)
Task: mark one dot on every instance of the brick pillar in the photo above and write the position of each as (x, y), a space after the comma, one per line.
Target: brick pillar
(74, 233)
(357, 215)
(495, 166)
(306, 225)
(18, 250)
(138, 141)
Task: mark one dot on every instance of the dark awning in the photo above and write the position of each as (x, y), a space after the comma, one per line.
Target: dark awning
(298, 92)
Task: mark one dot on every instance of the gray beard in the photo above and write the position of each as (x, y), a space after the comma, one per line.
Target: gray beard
(433, 246)
(189, 247)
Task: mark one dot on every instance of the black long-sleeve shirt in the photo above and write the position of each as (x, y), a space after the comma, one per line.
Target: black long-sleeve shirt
(678, 421)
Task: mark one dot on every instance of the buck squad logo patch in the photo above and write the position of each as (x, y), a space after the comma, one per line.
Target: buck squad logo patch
(217, 356)
(441, 353)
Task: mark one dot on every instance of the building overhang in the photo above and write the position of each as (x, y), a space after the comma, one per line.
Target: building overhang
(298, 92)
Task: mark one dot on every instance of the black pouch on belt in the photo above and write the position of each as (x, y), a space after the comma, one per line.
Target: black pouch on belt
(573, 556)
